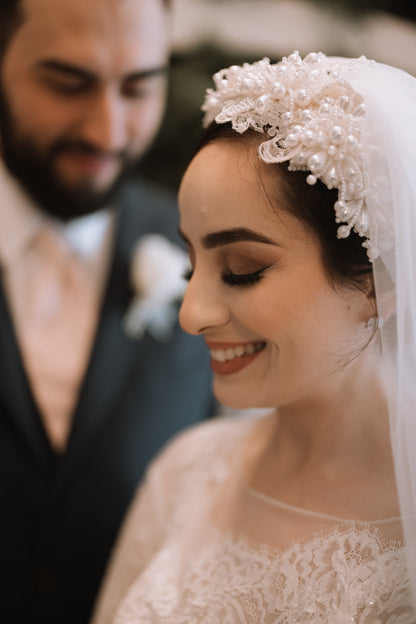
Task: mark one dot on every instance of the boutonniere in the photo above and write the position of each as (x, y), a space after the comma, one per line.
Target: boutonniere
(157, 276)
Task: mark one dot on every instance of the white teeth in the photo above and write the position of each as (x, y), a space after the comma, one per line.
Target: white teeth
(225, 355)
(220, 356)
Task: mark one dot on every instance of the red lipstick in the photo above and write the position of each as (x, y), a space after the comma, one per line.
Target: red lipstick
(237, 363)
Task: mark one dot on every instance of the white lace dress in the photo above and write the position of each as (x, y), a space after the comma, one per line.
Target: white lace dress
(201, 546)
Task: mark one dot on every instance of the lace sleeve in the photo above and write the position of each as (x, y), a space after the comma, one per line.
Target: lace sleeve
(175, 481)
(141, 534)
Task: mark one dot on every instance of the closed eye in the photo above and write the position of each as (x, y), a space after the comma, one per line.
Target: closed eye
(235, 279)
(242, 279)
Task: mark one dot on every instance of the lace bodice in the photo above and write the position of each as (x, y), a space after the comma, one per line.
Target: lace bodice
(184, 560)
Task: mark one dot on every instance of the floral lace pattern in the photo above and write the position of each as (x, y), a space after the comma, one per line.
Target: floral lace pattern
(348, 576)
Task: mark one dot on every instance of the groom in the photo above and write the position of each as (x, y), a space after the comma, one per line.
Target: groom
(83, 405)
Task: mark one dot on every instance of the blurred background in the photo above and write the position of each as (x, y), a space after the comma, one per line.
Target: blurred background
(211, 34)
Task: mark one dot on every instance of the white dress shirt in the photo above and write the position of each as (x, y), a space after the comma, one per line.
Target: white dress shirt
(54, 327)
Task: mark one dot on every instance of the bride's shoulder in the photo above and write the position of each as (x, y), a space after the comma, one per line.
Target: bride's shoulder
(205, 445)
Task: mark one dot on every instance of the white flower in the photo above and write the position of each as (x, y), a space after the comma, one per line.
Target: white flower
(157, 277)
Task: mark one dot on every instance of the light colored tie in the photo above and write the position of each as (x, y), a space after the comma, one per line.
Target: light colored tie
(55, 322)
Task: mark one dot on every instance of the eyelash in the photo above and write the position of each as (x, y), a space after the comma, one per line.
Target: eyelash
(236, 279)
(242, 279)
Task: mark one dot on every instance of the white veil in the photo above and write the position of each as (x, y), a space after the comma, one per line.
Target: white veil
(390, 96)
(389, 160)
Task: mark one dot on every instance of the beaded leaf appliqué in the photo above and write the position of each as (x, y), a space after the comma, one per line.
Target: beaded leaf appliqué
(314, 120)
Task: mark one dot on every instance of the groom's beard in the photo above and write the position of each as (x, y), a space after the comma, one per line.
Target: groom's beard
(34, 170)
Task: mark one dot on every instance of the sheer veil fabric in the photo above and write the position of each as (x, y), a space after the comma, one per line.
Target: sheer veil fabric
(390, 165)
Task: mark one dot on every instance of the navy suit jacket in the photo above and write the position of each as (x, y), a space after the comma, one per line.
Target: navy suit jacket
(59, 515)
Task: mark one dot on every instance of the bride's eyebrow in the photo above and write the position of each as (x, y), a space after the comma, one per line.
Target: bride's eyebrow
(233, 235)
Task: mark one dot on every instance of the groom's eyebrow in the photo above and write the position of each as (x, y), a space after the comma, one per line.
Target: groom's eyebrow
(76, 71)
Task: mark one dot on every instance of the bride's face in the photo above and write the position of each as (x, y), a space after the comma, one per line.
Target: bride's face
(277, 331)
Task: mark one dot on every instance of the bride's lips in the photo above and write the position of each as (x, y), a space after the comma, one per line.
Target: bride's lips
(230, 357)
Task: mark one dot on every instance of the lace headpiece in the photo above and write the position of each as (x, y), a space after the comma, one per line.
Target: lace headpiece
(314, 120)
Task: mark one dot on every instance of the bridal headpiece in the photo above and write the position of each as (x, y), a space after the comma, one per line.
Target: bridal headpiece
(314, 119)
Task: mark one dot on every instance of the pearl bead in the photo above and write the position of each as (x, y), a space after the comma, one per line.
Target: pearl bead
(343, 231)
(312, 57)
(340, 206)
(291, 140)
(213, 101)
(306, 116)
(337, 135)
(332, 177)
(247, 84)
(359, 111)
(322, 139)
(362, 225)
(302, 97)
(309, 138)
(316, 163)
(311, 179)
(332, 150)
(278, 90)
(262, 101)
(287, 117)
(294, 57)
(298, 159)
(344, 102)
(373, 253)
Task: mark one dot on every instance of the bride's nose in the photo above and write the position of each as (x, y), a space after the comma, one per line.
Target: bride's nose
(203, 306)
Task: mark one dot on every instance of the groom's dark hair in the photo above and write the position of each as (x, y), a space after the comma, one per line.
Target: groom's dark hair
(10, 19)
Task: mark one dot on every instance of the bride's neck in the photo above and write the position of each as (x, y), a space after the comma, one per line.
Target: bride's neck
(340, 442)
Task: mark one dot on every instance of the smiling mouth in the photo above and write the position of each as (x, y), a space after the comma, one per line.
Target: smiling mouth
(233, 359)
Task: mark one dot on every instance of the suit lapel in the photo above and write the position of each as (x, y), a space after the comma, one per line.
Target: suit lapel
(16, 399)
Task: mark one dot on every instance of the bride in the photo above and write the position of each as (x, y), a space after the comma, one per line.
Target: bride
(299, 214)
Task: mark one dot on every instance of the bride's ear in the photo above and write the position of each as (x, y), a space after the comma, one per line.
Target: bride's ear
(369, 307)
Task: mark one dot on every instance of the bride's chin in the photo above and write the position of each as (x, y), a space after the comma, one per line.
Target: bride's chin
(233, 399)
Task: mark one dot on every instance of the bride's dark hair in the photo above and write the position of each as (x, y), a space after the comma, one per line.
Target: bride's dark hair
(345, 260)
